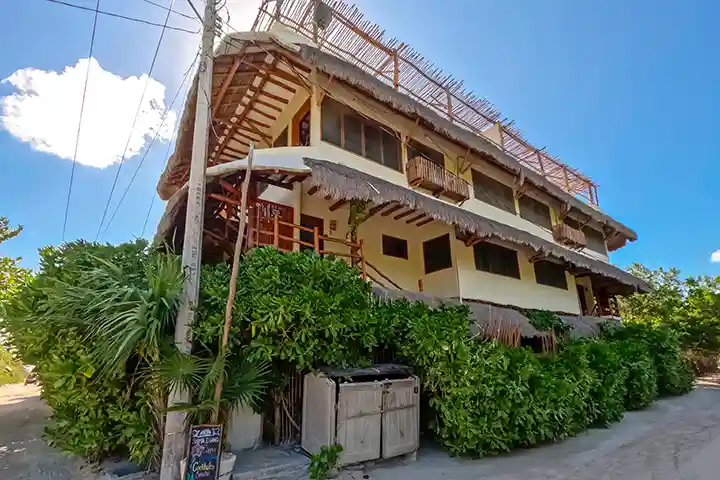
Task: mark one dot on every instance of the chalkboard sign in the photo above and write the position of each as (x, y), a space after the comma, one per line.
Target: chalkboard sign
(204, 452)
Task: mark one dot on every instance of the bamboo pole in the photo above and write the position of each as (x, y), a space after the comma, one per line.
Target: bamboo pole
(233, 274)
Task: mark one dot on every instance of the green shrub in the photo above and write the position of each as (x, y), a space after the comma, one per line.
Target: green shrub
(299, 311)
(608, 395)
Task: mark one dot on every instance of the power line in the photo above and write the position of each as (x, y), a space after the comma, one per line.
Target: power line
(196, 10)
(132, 128)
(82, 108)
(152, 201)
(157, 133)
(125, 17)
(170, 9)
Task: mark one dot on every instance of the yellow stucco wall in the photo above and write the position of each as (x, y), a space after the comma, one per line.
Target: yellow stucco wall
(461, 280)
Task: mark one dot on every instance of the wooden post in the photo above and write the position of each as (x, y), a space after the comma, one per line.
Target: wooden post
(174, 435)
(316, 236)
(420, 285)
(276, 231)
(396, 70)
(362, 259)
(233, 275)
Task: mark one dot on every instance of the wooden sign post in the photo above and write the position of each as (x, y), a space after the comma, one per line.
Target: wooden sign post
(204, 452)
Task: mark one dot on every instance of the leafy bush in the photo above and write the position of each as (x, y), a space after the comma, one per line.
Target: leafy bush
(546, 321)
(98, 321)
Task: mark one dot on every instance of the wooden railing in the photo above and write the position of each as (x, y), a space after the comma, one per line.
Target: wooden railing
(569, 236)
(421, 172)
(258, 238)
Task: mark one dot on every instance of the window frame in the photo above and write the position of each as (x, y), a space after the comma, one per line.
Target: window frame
(594, 247)
(344, 111)
(528, 198)
(425, 152)
(561, 285)
(397, 241)
(441, 266)
(492, 267)
(478, 176)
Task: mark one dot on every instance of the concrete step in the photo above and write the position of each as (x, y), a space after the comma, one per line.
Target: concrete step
(270, 463)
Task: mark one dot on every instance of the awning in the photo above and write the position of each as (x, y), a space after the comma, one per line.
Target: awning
(345, 183)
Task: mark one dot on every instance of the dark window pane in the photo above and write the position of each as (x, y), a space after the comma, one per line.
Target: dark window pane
(496, 259)
(331, 123)
(551, 274)
(595, 240)
(373, 143)
(571, 222)
(535, 211)
(353, 133)
(391, 151)
(394, 247)
(436, 254)
(491, 191)
(311, 222)
(418, 149)
(282, 139)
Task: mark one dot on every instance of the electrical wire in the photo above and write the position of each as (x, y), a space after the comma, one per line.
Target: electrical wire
(125, 17)
(157, 133)
(132, 128)
(200, 17)
(82, 109)
(170, 9)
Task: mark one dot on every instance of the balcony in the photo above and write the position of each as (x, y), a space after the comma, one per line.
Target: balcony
(569, 236)
(423, 173)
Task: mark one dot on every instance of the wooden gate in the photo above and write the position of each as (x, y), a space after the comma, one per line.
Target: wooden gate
(400, 417)
(359, 421)
(261, 215)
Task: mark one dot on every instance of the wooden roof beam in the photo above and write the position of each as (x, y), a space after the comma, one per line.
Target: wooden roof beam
(337, 205)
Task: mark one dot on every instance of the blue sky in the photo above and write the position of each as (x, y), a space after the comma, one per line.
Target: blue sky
(625, 91)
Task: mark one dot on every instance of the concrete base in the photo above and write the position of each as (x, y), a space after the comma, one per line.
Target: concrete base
(244, 430)
(271, 463)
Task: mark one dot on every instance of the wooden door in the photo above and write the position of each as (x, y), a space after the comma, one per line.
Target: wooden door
(311, 222)
(359, 421)
(583, 300)
(401, 417)
(318, 412)
(261, 216)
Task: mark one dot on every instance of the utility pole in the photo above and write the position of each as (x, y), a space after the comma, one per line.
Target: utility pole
(174, 441)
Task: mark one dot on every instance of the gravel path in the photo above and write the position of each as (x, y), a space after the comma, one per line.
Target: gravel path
(677, 438)
(24, 455)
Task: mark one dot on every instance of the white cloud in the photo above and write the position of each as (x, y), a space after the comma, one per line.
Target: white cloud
(715, 257)
(44, 111)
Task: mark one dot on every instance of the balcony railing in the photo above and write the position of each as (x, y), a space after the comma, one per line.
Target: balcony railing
(421, 172)
(567, 235)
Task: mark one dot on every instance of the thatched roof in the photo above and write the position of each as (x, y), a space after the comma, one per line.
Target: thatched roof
(371, 85)
(482, 315)
(342, 182)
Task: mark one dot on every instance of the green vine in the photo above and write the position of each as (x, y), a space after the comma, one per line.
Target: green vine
(324, 461)
(357, 215)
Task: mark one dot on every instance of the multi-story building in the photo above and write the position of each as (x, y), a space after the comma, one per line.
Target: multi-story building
(352, 130)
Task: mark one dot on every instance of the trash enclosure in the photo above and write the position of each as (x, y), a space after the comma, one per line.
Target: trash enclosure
(372, 412)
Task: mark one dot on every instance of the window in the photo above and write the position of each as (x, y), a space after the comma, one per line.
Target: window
(394, 247)
(491, 191)
(282, 139)
(535, 211)
(496, 259)
(436, 254)
(571, 222)
(346, 129)
(415, 149)
(595, 240)
(551, 274)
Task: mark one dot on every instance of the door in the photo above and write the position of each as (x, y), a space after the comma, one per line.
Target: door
(309, 221)
(401, 417)
(359, 421)
(583, 300)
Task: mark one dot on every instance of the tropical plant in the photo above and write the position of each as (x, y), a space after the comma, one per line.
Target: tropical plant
(324, 461)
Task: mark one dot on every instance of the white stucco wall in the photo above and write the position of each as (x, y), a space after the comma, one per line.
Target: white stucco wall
(244, 429)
